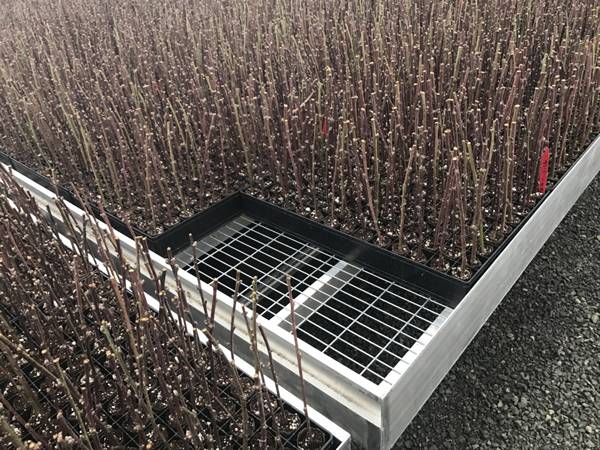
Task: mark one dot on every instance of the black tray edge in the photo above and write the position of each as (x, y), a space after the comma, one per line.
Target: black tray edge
(445, 287)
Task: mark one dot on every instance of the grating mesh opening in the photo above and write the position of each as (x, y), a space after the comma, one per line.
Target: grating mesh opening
(365, 321)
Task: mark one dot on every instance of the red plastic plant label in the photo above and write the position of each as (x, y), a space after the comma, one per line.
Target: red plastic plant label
(543, 175)
(325, 127)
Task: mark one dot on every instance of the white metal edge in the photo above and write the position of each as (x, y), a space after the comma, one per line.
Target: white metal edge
(422, 377)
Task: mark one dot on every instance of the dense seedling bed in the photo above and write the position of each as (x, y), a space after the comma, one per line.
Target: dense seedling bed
(428, 127)
(85, 363)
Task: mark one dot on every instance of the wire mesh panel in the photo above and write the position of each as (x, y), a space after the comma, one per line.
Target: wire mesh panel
(367, 322)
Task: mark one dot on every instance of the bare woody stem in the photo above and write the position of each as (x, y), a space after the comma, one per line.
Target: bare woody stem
(297, 348)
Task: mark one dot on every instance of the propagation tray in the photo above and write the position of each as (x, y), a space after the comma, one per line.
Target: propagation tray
(377, 336)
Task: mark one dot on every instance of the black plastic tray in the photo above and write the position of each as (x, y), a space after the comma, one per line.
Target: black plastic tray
(157, 243)
(446, 288)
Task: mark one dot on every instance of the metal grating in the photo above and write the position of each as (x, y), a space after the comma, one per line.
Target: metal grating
(370, 324)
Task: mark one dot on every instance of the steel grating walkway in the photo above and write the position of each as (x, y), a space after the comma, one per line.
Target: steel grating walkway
(370, 324)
